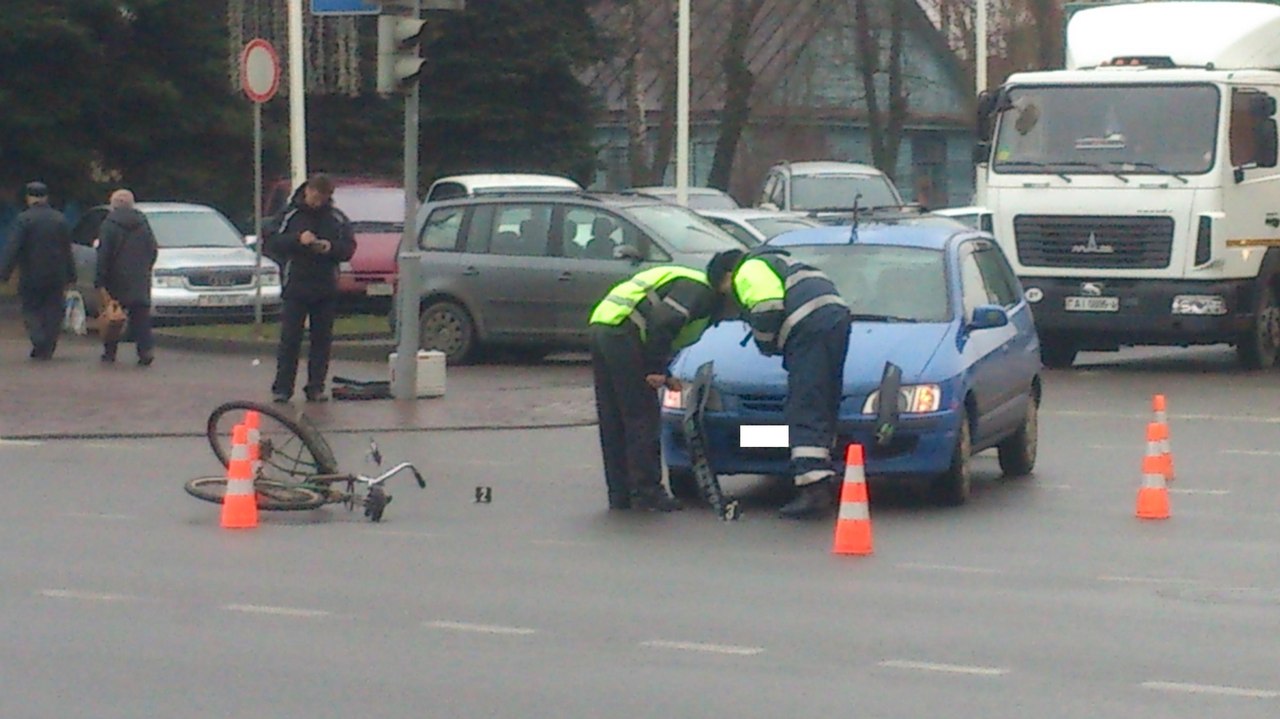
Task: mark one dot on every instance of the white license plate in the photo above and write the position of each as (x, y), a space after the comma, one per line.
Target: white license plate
(757, 436)
(223, 300)
(1093, 304)
(379, 289)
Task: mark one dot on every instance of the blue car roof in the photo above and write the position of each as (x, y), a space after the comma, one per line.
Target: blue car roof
(923, 234)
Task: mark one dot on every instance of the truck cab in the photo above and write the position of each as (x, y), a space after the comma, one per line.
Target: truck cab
(1136, 191)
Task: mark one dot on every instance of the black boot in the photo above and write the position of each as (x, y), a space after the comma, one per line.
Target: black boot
(812, 502)
(619, 500)
(655, 499)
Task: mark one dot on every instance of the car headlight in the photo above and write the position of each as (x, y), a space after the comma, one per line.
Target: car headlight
(162, 280)
(912, 399)
(270, 279)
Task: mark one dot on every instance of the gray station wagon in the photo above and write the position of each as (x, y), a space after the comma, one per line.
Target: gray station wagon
(524, 270)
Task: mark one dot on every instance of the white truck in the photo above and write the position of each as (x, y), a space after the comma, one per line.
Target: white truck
(1136, 191)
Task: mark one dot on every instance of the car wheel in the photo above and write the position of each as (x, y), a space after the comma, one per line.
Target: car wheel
(684, 485)
(446, 327)
(1018, 452)
(951, 488)
(1057, 353)
(1259, 348)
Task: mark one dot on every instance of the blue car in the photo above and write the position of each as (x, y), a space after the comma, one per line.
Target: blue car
(935, 298)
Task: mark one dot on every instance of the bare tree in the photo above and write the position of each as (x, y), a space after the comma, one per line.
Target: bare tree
(648, 165)
(884, 126)
(739, 83)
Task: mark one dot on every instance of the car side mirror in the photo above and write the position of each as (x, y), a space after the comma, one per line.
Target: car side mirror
(981, 152)
(627, 252)
(250, 240)
(986, 317)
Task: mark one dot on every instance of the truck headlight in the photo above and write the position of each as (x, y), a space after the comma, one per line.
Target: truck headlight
(161, 280)
(270, 279)
(1199, 305)
(912, 399)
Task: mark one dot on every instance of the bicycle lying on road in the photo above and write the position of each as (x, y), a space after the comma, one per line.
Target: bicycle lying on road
(297, 469)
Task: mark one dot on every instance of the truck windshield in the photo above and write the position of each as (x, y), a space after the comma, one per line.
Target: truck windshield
(1108, 129)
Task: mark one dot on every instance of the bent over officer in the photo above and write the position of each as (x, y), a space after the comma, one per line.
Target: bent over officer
(794, 310)
(40, 249)
(635, 331)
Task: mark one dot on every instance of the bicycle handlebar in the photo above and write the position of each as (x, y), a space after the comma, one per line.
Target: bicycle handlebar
(375, 481)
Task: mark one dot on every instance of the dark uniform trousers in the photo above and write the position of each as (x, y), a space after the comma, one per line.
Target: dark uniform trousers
(814, 359)
(42, 314)
(628, 410)
(296, 310)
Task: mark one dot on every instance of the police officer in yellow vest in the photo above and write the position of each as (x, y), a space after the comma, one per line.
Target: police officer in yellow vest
(794, 310)
(635, 331)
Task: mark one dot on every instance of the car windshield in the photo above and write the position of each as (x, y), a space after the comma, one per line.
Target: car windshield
(682, 230)
(837, 192)
(884, 283)
(771, 227)
(193, 228)
(1108, 129)
(378, 209)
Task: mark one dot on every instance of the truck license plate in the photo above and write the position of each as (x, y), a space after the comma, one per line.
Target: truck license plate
(223, 300)
(1093, 304)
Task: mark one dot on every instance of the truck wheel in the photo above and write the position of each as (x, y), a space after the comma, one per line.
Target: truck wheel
(684, 485)
(1057, 352)
(1258, 349)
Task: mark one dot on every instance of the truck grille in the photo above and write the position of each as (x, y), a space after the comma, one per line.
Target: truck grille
(221, 278)
(1104, 242)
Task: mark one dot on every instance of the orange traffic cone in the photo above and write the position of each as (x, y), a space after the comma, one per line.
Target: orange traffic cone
(239, 503)
(253, 421)
(1162, 418)
(853, 525)
(1153, 496)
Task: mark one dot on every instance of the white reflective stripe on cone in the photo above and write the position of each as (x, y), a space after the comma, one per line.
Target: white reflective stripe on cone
(1153, 481)
(854, 510)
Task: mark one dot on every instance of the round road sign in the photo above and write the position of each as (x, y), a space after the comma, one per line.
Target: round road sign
(259, 70)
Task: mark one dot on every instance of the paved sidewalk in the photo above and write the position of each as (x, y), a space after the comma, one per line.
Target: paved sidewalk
(75, 395)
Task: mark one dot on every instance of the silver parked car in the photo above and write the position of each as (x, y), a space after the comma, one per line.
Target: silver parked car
(754, 227)
(204, 270)
(526, 270)
(699, 198)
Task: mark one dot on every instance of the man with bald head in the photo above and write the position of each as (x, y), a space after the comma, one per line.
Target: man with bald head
(127, 251)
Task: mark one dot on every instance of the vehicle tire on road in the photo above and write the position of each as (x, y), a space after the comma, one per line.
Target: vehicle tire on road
(684, 485)
(291, 449)
(951, 488)
(1018, 453)
(1057, 352)
(446, 327)
(272, 495)
(1260, 347)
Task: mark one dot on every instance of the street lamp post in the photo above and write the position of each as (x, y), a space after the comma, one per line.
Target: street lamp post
(682, 104)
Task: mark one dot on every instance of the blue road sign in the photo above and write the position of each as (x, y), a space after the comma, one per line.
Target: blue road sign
(344, 7)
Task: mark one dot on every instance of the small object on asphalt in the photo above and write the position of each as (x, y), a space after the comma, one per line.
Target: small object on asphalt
(256, 361)
(732, 511)
(484, 495)
(375, 454)
(353, 389)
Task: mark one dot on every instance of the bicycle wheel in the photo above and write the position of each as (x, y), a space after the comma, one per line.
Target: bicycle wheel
(272, 495)
(289, 448)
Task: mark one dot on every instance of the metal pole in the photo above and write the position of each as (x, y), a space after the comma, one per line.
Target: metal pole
(257, 216)
(682, 105)
(297, 96)
(404, 384)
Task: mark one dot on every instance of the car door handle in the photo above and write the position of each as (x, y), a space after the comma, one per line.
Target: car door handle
(470, 272)
(566, 276)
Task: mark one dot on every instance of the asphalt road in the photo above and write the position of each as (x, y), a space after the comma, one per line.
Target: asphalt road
(1043, 597)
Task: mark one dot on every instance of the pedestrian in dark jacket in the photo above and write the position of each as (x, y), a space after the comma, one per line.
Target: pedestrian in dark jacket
(40, 249)
(127, 251)
(310, 241)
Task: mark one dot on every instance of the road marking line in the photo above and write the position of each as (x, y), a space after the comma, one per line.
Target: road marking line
(1146, 580)
(1117, 447)
(1060, 487)
(947, 668)
(1178, 418)
(1210, 492)
(949, 568)
(1250, 452)
(1211, 689)
(699, 647)
(86, 596)
(480, 628)
(277, 611)
(20, 443)
(560, 542)
(98, 515)
(405, 533)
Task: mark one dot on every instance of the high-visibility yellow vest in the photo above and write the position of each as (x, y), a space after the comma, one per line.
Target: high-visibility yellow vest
(626, 302)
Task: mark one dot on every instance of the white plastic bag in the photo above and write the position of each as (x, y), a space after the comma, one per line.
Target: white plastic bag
(73, 318)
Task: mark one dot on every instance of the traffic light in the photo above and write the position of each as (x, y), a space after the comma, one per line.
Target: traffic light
(399, 42)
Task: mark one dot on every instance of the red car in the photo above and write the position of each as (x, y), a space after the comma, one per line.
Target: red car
(376, 210)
